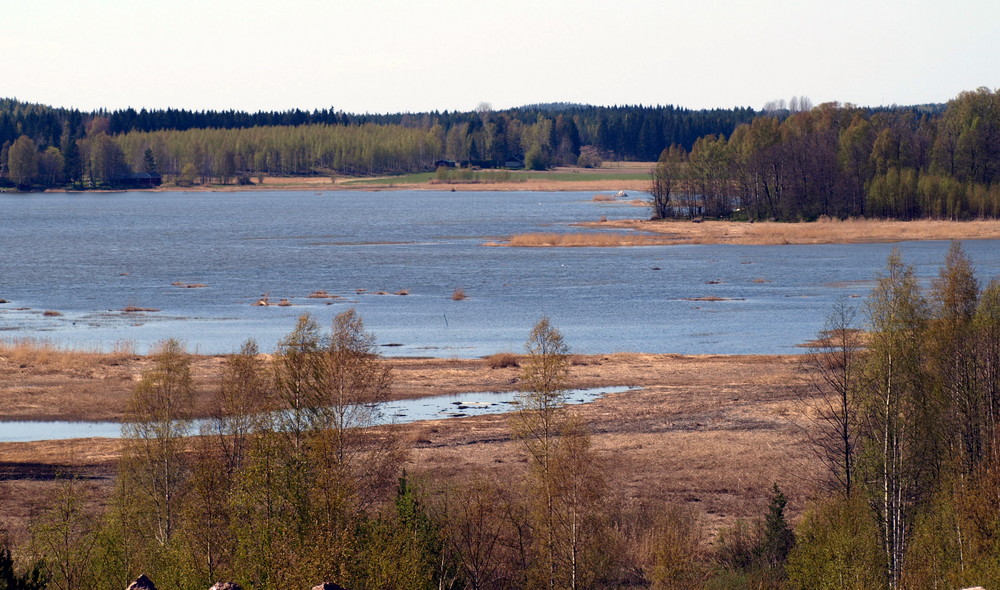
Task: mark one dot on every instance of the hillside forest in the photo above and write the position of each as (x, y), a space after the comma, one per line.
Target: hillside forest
(790, 163)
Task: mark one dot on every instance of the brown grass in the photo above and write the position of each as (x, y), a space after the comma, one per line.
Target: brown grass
(459, 294)
(502, 360)
(828, 231)
(710, 432)
(43, 354)
(137, 309)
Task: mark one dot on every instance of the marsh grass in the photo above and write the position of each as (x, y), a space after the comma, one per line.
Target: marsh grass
(41, 352)
(502, 360)
(823, 231)
(458, 294)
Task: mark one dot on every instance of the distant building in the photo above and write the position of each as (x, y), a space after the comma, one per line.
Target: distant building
(444, 164)
(514, 163)
(140, 180)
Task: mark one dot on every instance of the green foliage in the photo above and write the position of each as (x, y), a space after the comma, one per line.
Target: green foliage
(10, 579)
(65, 532)
(755, 555)
(677, 551)
(22, 161)
(536, 158)
(776, 539)
(837, 547)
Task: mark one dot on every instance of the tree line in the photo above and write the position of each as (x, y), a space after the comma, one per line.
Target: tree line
(784, 164)
(842, 161)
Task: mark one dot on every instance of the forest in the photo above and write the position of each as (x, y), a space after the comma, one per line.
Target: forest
(289, 482)
(800, 163)
(74, 147)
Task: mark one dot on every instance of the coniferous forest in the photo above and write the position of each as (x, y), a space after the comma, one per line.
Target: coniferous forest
(936, 161)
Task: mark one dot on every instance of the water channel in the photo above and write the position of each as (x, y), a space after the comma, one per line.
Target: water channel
(395, 412)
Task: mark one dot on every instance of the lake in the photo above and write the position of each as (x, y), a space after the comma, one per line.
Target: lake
(202, 259)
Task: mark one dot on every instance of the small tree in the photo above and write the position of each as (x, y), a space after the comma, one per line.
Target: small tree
(149, 161)
(568, 547)
(22, 161)
(777, 537)
(662, 184)
(154, 466)
(838, 370)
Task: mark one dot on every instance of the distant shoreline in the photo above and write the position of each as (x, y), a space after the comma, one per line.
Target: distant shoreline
(629, 177)
(850, 231)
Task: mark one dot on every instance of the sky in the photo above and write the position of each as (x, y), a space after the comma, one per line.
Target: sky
(387, 56)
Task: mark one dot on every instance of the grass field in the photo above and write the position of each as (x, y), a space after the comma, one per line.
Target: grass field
(416, 178)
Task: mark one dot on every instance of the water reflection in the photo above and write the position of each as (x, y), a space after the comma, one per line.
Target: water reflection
(395, 412)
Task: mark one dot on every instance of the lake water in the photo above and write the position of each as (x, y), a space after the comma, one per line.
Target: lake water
(86, 257)
(395, 412)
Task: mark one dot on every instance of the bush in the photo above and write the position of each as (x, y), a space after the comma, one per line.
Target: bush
(502, 360)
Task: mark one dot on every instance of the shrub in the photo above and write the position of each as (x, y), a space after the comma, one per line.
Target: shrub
(502, 360)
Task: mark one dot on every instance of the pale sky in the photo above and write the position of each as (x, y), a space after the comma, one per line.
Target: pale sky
(381, 56)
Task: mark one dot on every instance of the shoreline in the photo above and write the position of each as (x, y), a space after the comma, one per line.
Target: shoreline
(631, 232)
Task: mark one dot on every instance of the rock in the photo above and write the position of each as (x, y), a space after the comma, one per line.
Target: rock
(328, 586)
(142, 583)
(226, 586)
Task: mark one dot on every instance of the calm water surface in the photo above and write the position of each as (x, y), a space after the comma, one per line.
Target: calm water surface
(87, 257)
(396, 412)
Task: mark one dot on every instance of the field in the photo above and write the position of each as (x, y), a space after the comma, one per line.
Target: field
(712, 432)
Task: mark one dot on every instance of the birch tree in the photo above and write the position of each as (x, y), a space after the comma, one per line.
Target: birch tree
(895, 468)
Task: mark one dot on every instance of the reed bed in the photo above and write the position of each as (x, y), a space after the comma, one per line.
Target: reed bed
(502, 360)
(824, 231)
(41, 352)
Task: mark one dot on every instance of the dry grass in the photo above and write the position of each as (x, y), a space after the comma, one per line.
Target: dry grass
(459, 294)
(502, 360)
(711, 432)
(32, 352)
(828, 231)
